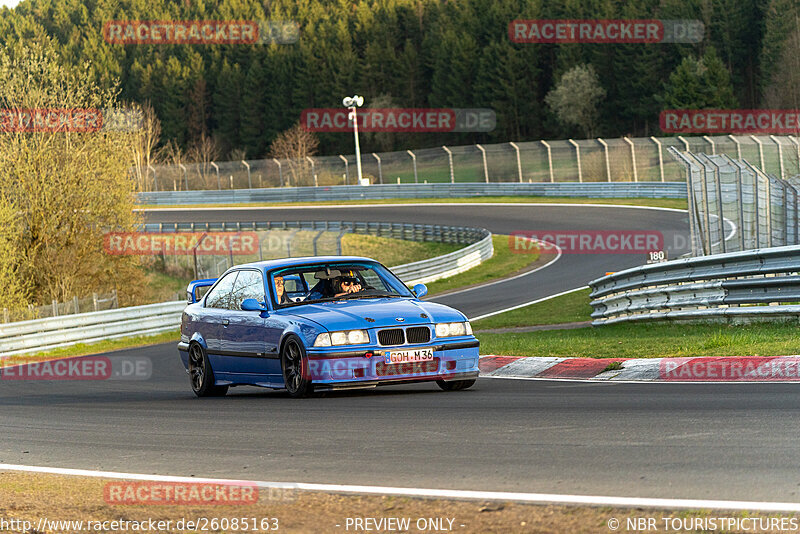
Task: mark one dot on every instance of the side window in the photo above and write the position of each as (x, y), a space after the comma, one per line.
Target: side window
(249, 285)
(373, 280)
(219, 296)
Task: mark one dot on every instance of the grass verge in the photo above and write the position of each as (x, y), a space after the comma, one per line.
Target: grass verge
(29, 497)
(569, 308)
(502, 264)
(675, 203)
(648, 341)
(394, 251)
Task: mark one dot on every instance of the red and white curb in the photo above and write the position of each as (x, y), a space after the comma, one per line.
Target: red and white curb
(702, 369)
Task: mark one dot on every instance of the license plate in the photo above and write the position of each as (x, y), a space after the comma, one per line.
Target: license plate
(403, 356)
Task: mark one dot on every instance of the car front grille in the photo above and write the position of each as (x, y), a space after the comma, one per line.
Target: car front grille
(409, 368)
(392, 336)
(418, 334)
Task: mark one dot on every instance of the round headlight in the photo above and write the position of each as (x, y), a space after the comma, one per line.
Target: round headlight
(355, 337)
(457, 329)
(338, 338)
(442, 330)
(323, 340)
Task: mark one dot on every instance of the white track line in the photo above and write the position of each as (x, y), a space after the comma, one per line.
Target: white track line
(485, 315)
(487, 284)
(344, 206)
(536, 498)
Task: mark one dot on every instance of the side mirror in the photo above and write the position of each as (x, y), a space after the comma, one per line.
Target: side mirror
(420, 290)
(252, 305)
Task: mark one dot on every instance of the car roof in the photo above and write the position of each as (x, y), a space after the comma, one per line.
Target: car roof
(302, 260)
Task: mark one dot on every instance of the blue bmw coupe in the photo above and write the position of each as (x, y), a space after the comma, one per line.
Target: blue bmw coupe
(320, 323)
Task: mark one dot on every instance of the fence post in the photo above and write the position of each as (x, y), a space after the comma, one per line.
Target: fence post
(660, 157)
(608, 161)
(54, 306)
(155, 179)
(313, 170)
(75, 304)
(185, 175)
(450, 158)
(94, 301)
(485, 167)
(216, 168)
(549, 161)
(249, 179)
(114, 296)
(780, 156)
(685, 143)
(760, 153)
(346, 169)
(711, 142)
(280, 169)
(380, 170)
(797, 145)
(738, 146)
(633, 159)
(414, 160)
(578, 157)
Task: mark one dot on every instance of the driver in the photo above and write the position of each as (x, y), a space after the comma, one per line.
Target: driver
(344, 285)
(280, 293)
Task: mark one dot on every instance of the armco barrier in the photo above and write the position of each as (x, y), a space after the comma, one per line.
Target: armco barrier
(46, 334)
(734, 287)
(436, 190)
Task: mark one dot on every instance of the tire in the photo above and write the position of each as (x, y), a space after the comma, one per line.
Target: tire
(455, 385)
(294, 364)
(201, 376)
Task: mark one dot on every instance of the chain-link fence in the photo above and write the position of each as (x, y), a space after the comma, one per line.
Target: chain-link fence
(95, 302)
(641, 159)
(735, 205)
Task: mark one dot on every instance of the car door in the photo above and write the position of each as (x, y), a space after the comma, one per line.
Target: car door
(215, 312)
(250, 338)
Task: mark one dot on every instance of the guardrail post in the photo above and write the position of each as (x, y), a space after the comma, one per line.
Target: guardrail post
(450, 158)
(780, 156)
(313, 170)
(760, 153)
(578, 158)
(711, 142)
(94, 301)
(249, 179)
(485, 167)
(185, 175)
(346, 170)
(633, 159)
(738, 146)
(549, 161)
(380, 171)
(660, 157)
(608, 160)
(216, 167)
(519, 162)
(414, 161)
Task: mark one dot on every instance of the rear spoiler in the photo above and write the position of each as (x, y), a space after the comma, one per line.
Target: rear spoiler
(194, 285)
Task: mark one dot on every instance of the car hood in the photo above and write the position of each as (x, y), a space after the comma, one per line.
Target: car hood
(383, 312)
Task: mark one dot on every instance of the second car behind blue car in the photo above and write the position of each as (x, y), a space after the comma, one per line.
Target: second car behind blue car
(314, 323)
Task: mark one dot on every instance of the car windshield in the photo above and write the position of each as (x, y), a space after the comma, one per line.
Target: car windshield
(321, 282)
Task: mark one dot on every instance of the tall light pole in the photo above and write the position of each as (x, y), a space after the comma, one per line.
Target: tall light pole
(351, 103)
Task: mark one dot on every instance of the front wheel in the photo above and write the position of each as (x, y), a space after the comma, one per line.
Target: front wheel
(200, 374)
(294, 363)
(455, 385)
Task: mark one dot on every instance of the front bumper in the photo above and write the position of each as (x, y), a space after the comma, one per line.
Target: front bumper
(331, 369)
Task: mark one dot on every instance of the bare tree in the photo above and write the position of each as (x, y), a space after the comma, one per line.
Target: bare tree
(145, 141)
(202, 152)
(575, 98)
(295, 145)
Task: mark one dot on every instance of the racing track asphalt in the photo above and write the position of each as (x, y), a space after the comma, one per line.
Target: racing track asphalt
(699, 441)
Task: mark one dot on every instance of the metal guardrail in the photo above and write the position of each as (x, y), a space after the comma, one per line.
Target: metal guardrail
(434, 190)
(733, 287)
(45, 334)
